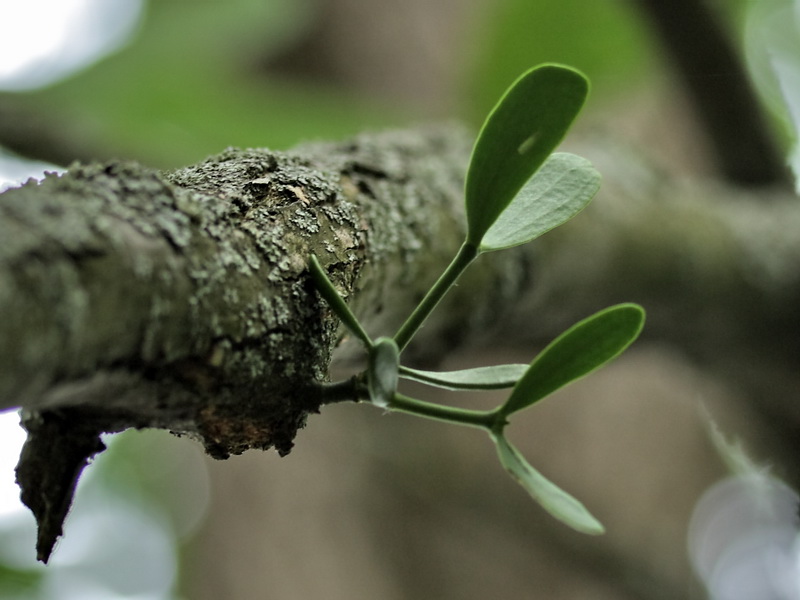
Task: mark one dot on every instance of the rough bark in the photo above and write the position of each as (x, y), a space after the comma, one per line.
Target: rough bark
(181, 300)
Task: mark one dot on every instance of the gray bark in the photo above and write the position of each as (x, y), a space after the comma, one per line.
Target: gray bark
(181, 300)
(135, 293)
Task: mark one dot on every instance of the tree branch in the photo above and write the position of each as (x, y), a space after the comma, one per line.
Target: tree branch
(182, 300)
(136, 292)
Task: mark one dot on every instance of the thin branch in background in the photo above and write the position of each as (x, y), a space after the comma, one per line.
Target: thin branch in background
(717, 82)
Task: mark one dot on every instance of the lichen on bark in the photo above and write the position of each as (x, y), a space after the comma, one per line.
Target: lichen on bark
(181, 300)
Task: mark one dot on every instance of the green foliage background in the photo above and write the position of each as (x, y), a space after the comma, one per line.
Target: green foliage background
(191, 82)
(604, 39)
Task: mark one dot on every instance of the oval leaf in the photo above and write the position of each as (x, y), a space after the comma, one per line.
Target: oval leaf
(553, 499)
(481, 378)
(557, 192)
(382, 372)
(581, 349)
(522, 130)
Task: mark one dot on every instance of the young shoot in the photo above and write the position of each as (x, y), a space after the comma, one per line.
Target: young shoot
(516, 189)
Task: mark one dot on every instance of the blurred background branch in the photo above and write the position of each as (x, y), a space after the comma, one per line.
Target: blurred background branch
(699, 44)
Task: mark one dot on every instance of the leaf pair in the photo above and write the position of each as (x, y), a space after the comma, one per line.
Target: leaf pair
(581, 349)
(508, 203)
(514, 193)
(584, 347)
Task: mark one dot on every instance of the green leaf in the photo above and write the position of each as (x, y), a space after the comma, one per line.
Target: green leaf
(382, 372)
(481, 378)
(581, 349)
(553, 499)
(327, 290)
(557, 192)
(522, 130)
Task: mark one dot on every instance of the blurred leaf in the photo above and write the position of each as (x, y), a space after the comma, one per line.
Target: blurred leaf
(607, 41)
(525, 126)
(733, 455)
(384, 362)
(481, 378)
(557, 192)
(191, 84)
(773, 45)
(553, 499)
(581, 349)
(19, 583)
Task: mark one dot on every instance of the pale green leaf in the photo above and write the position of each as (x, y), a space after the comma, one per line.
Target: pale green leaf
(557, 192)
(480, 378)
(553, 499)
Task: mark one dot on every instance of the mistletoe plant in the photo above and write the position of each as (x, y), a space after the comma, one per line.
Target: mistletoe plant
(516, 190)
